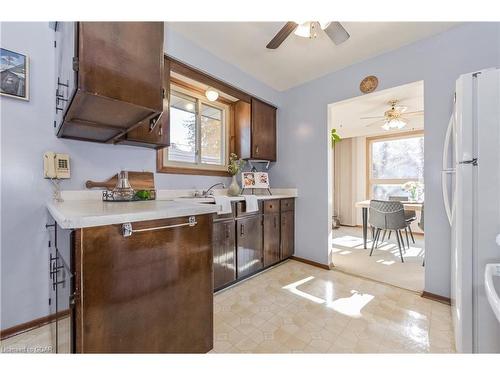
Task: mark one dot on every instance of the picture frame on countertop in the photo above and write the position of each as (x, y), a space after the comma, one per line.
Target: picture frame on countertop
(14, 74)
(255, 180)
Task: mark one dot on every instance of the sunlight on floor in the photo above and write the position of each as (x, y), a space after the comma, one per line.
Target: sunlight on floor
(350, 306)
(348, 254)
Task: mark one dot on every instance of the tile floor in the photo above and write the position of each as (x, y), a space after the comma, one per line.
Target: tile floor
(297, 308)
(385, 264)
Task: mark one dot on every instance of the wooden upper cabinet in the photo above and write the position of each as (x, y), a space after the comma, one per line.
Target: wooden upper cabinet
(255, 130)
(109, 78)
(263, 131)
(154, 132)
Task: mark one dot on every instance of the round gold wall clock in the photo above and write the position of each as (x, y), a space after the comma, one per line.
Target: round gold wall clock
(368, 84)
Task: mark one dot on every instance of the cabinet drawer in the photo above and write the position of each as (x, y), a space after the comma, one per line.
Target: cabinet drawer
(271, 206)
(217, 217)
(287, 204)
(241, 207)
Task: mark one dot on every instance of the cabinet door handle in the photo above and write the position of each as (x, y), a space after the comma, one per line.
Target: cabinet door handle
(242, 229)
(127, 229)
(256, 149)
(227, 231)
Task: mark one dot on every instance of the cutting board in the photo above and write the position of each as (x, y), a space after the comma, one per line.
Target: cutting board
(138, 181)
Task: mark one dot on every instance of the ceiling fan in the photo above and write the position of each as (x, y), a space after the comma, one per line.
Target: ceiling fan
(310, 29)
(394, 118)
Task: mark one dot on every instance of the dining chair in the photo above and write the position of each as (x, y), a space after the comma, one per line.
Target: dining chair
(410, 216)
(387, 215)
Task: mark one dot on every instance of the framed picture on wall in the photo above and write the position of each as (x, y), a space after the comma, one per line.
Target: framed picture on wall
(14, 74)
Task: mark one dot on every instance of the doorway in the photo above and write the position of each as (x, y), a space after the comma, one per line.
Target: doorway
(380, 158)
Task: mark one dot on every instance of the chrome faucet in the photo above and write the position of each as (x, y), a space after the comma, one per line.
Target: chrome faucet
(209, 192)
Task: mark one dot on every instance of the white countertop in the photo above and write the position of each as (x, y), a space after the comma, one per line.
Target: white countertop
(92, 213)
(82, 209)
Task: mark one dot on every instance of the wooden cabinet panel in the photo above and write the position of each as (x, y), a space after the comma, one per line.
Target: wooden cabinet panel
(224, 245)
(263, 131)
(249, 245)
(123, 61)
(241, 209)
(255, 130)
(287, 204)
(151, 292)
(287, 234)
(271, 239)
(242, 133)
(118, 79)
(271, 206)
(154, 133)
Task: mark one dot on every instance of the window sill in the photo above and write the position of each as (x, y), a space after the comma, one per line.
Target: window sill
(162, 168)
(191, 171)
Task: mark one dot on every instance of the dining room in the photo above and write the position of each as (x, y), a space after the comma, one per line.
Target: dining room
(378, 186)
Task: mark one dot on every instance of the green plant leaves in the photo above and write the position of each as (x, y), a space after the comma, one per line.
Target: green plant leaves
(334, 137)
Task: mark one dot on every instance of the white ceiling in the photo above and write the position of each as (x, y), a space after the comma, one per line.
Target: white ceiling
(345, 115)
(299, 60)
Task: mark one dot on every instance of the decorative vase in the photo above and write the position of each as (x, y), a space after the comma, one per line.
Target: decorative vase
(234, 188)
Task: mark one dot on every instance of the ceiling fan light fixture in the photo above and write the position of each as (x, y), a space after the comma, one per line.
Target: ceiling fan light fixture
(303, 30)
(211, 94)
(394, 124)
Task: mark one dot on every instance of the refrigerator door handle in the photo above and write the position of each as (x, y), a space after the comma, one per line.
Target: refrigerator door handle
(450, 210)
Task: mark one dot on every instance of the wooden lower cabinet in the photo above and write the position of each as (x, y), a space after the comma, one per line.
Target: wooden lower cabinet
(287, 238)
(151, 292)
(249, 245)
(224, 243)
(245, 243)
(271, 239)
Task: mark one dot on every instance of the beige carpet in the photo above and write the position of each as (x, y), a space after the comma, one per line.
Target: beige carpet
(385, 264)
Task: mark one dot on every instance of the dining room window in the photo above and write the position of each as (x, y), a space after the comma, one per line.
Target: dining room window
(198, 132)
(395, 166)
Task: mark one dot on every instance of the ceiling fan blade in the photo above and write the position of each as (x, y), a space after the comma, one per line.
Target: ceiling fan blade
(337, 33)
(414, 113)
(373, 123)
(282, 35)
(372, 117)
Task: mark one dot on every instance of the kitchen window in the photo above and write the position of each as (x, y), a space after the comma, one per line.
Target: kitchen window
(198, 133)
(392, 161)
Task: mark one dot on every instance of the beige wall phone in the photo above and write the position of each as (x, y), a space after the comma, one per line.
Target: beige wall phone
(56, 166)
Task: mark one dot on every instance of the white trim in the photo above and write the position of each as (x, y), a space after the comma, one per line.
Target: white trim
(200, 100)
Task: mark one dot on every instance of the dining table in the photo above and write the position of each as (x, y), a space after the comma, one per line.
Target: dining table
(364, 205)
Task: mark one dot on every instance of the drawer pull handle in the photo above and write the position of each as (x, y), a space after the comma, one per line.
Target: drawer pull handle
(127, 229)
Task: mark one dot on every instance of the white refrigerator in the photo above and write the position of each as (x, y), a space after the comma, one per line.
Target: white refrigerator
(471, 192)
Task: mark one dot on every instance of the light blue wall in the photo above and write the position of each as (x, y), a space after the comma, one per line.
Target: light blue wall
(26, 133)
(303, 134)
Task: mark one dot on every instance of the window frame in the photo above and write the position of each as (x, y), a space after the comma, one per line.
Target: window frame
(198, 168)
(370, 181)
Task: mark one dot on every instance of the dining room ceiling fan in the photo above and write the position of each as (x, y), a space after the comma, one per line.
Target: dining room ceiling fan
(309, 29)
(394, 118)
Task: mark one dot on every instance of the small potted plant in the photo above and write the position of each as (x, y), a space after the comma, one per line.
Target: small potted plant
(414, 188)
(234, 167)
